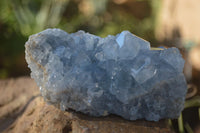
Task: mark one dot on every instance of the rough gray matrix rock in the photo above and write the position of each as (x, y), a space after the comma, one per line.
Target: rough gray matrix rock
(113, 75)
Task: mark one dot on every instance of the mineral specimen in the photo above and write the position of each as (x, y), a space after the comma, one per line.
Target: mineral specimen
(114, 75)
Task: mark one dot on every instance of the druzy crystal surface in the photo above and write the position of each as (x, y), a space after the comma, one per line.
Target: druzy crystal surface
(113, 75)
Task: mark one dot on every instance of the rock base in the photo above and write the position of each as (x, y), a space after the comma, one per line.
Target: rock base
(22, 110)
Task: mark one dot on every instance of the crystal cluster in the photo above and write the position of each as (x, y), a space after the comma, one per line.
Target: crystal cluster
(100, 76)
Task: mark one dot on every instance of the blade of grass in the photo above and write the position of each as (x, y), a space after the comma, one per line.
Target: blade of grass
(188, 128)
(43, 14)
(56, 11)
(180, 124)
(194, 102)
(199, 112)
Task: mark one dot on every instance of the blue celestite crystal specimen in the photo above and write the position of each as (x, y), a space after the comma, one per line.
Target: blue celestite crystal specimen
(113, 75)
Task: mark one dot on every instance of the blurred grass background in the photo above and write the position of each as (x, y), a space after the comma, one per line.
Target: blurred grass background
(161, 22)
(21, 18)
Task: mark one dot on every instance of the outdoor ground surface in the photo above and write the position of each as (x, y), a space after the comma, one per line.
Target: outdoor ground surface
(23, 110)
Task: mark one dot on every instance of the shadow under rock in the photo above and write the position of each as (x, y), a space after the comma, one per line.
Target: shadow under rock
(6, 122)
